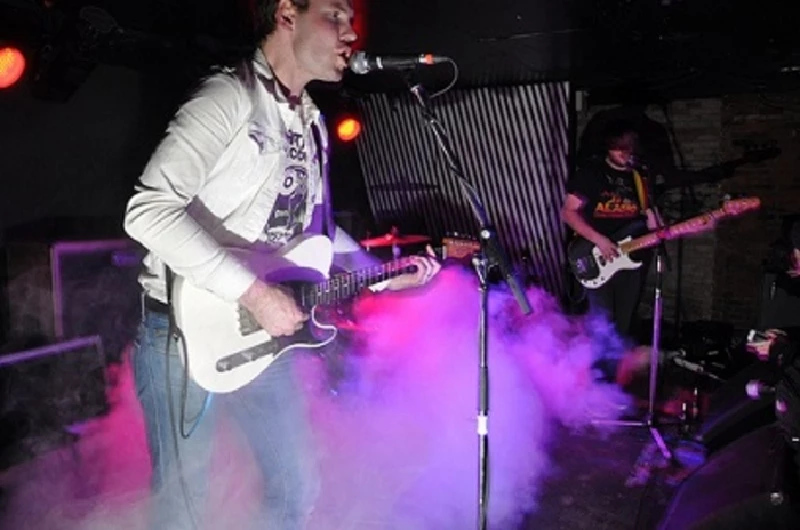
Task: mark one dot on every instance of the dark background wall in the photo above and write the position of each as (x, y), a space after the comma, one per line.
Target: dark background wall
(78, 158)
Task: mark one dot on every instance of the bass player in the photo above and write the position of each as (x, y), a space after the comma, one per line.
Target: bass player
(603, 198)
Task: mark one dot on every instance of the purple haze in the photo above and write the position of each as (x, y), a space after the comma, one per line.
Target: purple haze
(398, 447)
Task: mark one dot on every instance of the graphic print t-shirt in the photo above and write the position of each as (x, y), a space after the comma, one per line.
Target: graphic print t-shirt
(611, 200)
(290, 209)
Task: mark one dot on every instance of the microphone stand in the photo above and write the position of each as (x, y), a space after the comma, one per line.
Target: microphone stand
(649, 420)
(491, 255)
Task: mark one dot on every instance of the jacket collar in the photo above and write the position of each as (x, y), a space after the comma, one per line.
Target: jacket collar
(264, 72)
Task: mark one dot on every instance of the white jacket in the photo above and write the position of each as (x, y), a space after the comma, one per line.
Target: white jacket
(208, 186)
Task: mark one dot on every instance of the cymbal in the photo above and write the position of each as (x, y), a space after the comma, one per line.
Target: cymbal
(390, 240)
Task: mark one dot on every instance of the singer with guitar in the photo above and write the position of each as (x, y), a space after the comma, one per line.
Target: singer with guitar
(243, 164)
(604, 198)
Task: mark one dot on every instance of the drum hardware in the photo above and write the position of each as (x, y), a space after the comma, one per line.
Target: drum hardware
(394, 240)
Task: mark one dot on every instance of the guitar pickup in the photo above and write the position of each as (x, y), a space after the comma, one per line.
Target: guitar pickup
(247, 323)
(249, 355)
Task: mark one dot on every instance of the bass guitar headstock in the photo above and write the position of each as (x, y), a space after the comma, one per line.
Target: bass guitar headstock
(733, 207)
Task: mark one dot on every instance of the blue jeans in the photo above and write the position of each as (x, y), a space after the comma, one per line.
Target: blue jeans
(616, 301)
(270, 411)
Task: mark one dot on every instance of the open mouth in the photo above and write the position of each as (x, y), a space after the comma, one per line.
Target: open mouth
(345, 58)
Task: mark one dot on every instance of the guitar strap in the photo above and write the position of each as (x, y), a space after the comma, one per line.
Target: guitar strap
(641, 190)
(328, 223)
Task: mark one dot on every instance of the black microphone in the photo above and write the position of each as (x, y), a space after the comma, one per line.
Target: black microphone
(636, 162)
(361, 63)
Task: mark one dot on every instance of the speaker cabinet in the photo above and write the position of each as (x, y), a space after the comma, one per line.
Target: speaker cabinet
(732, 413)
(71, 289)
(46, 390)
(749, 484)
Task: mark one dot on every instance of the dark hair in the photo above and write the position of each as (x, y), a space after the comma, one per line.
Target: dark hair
(620, 134)
(264, 15)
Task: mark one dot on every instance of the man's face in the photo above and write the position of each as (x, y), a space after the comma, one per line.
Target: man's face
(322, 38)
(622, 153)
(620, 157)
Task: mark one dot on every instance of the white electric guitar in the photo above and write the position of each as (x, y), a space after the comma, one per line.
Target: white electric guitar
(593, 271)
(226, 349)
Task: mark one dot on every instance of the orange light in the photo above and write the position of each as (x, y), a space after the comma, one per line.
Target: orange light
(12, 64)
(348, 129)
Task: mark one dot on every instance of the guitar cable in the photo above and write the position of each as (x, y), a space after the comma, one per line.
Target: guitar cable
(172, 330)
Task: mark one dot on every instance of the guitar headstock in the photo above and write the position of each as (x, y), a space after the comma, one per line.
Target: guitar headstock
(740, 206)
(458, 246)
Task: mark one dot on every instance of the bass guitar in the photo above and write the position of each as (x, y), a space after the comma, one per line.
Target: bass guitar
(225, 348)
(592, 270)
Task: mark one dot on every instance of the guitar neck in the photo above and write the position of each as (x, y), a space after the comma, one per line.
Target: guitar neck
(347, 285)
(691, 226)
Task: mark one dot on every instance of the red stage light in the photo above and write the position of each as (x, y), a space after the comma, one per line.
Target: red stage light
(348, 129)
(12, 64)
(360, 23)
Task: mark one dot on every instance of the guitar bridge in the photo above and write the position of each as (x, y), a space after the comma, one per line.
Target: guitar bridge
(247, 323)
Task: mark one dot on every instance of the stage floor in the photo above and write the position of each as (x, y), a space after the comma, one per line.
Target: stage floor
(596, 483)
(604, 483)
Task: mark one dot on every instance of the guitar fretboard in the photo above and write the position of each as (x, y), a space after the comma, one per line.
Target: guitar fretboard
(347, 285)
(690, 226)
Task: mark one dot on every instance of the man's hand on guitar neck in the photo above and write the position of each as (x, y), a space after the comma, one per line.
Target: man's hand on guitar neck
(427, 268)
(274, 308)
(654, 219)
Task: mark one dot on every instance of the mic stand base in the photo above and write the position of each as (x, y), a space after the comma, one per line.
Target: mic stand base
(649, 421)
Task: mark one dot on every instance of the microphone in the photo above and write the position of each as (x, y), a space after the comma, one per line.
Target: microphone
(636, 162)
(756, 389)
(361, 63)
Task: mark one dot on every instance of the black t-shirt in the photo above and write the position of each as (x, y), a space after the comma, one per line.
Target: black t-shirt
(610, 199)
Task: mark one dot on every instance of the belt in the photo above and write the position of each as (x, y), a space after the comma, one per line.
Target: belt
(156, 306)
